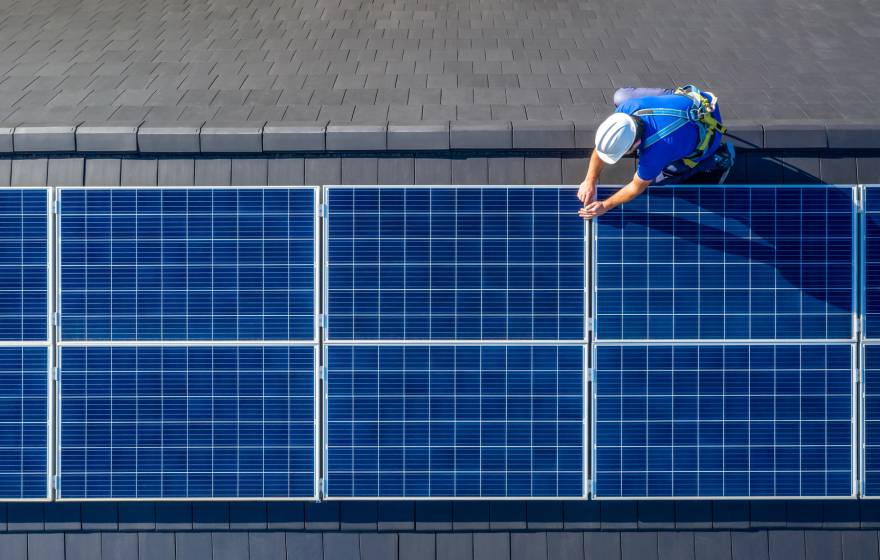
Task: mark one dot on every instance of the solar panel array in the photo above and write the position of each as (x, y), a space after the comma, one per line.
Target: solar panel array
(187, 422)
(723, 337)
(213, 292)
(732, 263)
(444, 263)
(466, 268)
(871, 263)
(187, 264)
(429, 421)
(724, 420)
(24, 343)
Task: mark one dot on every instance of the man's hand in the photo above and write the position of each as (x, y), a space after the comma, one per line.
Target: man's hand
(593, 210)
(587, 192)
(626, 193)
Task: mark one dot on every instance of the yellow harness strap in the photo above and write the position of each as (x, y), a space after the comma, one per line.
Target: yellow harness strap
(708, 125)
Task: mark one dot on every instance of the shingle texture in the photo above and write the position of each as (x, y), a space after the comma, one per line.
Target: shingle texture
(374, 62)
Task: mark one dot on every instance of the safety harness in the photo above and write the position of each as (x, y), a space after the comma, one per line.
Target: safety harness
(700, 114)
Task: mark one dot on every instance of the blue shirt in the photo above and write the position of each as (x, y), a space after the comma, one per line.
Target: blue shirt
(674, 147)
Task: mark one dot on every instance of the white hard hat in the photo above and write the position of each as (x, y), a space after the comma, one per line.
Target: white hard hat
(615, 137)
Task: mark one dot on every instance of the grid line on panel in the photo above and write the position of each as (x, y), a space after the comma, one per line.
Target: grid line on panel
(726, 420)
(692, 263)
(454, 422)
(176, 264)
(454, 263)
(182, 422)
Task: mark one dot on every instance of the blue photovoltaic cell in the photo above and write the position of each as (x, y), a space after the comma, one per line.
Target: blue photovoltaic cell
(758, 420)
(871, 420)
(23, 264)
(438, 263)
(24, 398)
(187, 264)
(187, 422)
(711, 263)
(447, 421)
(872, 263)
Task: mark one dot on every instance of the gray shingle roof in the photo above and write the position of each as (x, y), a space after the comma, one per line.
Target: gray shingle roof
(547, 66)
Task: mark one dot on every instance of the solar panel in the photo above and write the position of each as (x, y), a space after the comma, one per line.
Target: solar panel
(446, 263)
(24, 437)
(723, 420)
(871, 295)
(732, 263)
(188, 264)
(454, 421)
(871, 420)
(24, 261)
(187, 422)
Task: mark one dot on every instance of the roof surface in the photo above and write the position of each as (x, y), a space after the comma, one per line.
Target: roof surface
(419, 61)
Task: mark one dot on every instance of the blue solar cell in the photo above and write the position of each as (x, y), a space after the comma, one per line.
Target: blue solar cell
(23, 264)
(872, 263)
(732, 263)
(187, 422)
(469, 263)
(871, 420)
(187, 264)
(723, 420)
(24, 438)
(454, 421)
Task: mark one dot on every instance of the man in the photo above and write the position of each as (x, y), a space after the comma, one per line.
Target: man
(676, 135)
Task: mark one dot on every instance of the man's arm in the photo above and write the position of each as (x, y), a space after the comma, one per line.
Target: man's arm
(587, 190)
(626, 193)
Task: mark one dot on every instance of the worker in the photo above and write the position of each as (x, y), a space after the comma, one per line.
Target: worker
(676, 135)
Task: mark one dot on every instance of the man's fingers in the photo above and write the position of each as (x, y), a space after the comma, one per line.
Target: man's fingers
(591, 210)
(586, 213)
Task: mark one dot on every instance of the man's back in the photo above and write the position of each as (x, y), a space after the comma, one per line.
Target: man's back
(672, 148)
